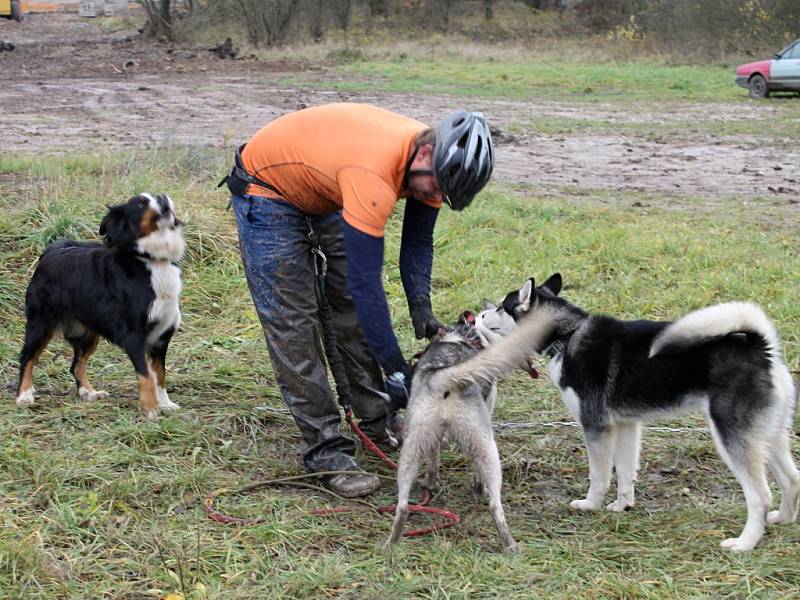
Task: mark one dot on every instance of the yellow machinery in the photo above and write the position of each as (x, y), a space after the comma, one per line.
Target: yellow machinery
(11, 9)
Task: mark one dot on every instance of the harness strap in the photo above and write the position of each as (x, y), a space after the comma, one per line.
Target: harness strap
(326, 317)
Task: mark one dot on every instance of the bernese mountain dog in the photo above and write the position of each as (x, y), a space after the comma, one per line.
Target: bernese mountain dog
(124, 289)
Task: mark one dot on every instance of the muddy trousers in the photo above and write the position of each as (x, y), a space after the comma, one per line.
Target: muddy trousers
(278, 263)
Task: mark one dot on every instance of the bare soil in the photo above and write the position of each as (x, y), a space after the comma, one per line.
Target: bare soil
(68, 86)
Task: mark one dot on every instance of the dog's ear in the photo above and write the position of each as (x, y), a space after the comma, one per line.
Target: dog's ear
(525, 293)
(553, 284)
(116, 229)
(489, 305)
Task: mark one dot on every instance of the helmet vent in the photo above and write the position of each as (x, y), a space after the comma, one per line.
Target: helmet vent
(462, 141)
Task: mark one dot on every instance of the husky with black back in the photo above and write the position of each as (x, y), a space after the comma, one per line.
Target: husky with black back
(725, 360)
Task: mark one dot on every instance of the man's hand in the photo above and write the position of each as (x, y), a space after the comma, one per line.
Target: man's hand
(425, 324)
(397, 387)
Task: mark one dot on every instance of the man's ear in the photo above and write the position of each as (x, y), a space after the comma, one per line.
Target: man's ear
(553, 284)
(525, 293)
(425, 151)
(115, 228)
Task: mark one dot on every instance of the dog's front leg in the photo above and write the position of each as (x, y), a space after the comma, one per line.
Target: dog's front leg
(157, 353)
(148, 397)
(600, 445)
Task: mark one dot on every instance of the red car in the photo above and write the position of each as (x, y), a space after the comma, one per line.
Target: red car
(782, 73)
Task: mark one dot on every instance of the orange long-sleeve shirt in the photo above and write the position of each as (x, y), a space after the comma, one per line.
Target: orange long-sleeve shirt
(348, 157)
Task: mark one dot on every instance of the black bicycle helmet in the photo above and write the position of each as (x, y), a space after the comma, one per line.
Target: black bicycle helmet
(463, 157)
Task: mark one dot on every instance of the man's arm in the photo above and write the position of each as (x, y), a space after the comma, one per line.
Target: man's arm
(416, 260)
(364, 264)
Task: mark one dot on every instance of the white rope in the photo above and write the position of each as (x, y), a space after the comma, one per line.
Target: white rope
(500, 426)
(534, 425)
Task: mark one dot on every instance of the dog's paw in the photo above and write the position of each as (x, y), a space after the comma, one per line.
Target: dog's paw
(514, 548)
(164, 403)
(738, 544)
(168, 406)
(26, 398)
(775, 517)
(150, 415)
(434, 484)
(87, 395)
(617, 506)
(583, 504)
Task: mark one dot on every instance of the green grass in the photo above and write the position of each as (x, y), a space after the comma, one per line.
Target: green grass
(98, 504)
(646, 98)
(549, 78)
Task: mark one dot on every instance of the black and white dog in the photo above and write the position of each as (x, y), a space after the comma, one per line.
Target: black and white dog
(454, 391)
(124, 289)
(725, 359)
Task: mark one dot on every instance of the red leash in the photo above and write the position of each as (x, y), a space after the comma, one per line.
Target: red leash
(343, 392)
(450, 518)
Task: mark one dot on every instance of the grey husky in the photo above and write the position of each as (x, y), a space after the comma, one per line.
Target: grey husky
(724, 359)
(454, 391)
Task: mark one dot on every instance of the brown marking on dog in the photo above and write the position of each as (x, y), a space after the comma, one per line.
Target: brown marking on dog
(148, 403)
(80, 368)
(149, 222)
(26, 382)
(157, 364)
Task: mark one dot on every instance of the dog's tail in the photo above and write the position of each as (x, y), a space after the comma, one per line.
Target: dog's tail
(507, 354)
(716, 321)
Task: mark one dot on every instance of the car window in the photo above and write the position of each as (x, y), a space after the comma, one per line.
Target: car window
(791, 52)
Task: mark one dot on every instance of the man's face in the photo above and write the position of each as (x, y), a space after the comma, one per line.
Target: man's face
(424, 187)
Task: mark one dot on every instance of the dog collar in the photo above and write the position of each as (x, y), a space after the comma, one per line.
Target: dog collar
(554, 349)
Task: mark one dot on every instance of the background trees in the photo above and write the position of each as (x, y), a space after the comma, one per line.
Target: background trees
(704, 25)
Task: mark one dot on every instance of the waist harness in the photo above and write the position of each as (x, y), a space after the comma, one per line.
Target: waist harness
(239, 179)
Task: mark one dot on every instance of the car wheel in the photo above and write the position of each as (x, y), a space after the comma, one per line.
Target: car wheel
(758, 87)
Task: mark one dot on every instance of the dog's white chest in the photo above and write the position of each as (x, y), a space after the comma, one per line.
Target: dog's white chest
(165, 279)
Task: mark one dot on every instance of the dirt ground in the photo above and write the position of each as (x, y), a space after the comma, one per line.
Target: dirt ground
(68, 86)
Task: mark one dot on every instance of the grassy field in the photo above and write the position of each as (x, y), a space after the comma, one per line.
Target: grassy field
(97, 503)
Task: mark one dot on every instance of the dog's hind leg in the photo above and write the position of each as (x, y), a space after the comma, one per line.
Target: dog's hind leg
(157, 353)
(783, 468)
(600, 443)
(780, 461)
(476, 438)
(747, 459)
(417, 438)
(431, 479)
(626, 463)
(83, 344)
(37, 335)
